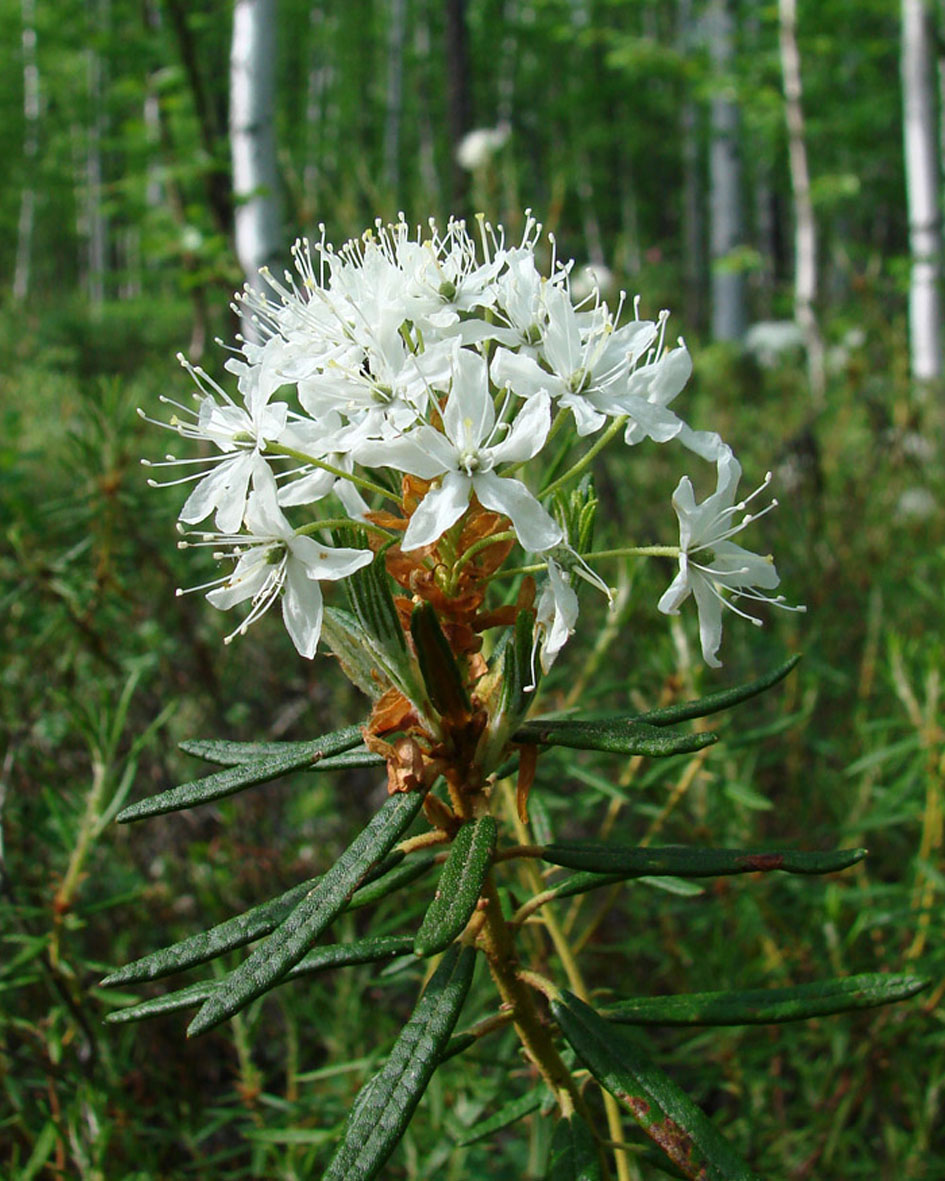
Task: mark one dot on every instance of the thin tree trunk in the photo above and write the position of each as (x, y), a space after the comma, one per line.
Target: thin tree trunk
(97, 226)
(319, 154)
(216, 178)
(725, 203)
(922, 190)
(693, 222)
(24, 235)
(256, 220)
(805, 228)
(429, 175)
(458, 96)
(397, 12)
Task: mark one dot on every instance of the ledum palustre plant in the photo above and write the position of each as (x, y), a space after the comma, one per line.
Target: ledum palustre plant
(416, 418)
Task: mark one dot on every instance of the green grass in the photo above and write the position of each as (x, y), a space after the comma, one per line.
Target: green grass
(104, 671)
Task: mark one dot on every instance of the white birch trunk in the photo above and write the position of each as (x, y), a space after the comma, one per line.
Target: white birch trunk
(922, 190)
(725, 202)
(396, 17)
(429, 174)
(692, 195)
(97, 242)
(805, 228)
(256, 220)
(24, 235)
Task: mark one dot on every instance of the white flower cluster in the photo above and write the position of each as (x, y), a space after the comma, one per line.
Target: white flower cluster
(453, 361)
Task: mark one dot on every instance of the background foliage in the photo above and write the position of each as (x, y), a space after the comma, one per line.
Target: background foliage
(104, 670)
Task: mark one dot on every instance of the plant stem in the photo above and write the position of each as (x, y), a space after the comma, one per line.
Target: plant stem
(368, 485)
(497, 944)
(615, 427)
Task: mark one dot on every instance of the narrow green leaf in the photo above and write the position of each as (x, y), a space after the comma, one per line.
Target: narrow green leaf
(42, 1150)
(685, 862)
(574, 1154)
(385, 1104)
(234, 754)
(503, 692)
(283, 949)
(664, 1112)
(458, 889)
(349, 760)
(319, 959)
(401, 875)
(763, 1006)
(207, 945)
(617, 736)
(508, 1114)
(715, 702)
(458, 1045)
(236, 778)
(438, 667)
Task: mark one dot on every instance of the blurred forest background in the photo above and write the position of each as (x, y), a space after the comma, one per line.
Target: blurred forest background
(734, 160)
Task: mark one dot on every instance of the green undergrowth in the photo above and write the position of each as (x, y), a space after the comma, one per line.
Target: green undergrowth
(105, 671)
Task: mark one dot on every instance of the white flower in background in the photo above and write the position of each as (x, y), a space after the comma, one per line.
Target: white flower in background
(712, 567)
(591, 280)
(463, 457)
(477, 147)
(274, 560)
(769, 340)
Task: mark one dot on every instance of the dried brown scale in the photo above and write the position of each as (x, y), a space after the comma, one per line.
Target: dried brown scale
(763, 862)
(676, 1143)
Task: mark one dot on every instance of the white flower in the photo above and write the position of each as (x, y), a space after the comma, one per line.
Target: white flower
(477, 147)
(556, 615)
(710, 563)
(465, 455)
(274, 560)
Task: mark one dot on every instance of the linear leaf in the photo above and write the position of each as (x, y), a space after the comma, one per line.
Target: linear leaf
(283, 949)
(319, 959)
(762, 1006)
(686, 862)
(573, 1152)
(401, 875)
(207, 945)
(715, 702)
(386, 1102)
(442, 678)
(617, 736)
(508, 1114)
(233, 754)
(236, 778)
(458, 889)
(664, 1112)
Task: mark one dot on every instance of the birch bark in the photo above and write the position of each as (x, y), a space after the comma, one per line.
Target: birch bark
(256, 220)
(805, 227)
(922, 191)
(725, 203)
(24, 236)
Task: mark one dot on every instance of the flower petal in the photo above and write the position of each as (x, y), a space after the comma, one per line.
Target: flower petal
(440, 508)
(302, 609)
(535, 529)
